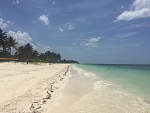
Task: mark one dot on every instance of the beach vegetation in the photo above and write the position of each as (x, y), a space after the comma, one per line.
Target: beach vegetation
(26, 53)
(6, 43)
(12, 43)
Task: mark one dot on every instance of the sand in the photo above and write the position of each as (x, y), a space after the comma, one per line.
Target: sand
(46, 88)
(31, 88)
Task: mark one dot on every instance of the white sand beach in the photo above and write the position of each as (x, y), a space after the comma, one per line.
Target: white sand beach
(31, 88)
(45, 88)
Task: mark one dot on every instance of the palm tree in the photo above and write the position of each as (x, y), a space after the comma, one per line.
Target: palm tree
(3, 42)
(47, 56)
(35, 54)
(25, 52)
(28, 51)
(58, 57)
(12, 43)
(20, 53)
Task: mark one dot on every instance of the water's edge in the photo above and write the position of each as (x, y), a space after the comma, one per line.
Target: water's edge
(104, 96)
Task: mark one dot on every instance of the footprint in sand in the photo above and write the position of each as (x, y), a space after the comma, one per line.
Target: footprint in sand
(35, 107)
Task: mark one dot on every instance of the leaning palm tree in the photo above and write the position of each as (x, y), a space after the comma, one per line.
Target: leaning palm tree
(12, 43)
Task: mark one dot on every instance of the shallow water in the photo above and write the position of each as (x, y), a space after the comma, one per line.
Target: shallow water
(134, 78)
(106, 95)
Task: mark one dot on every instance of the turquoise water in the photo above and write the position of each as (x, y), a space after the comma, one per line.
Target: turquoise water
(133, 78)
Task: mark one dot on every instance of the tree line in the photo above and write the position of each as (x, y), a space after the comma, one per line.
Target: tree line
(26, 52)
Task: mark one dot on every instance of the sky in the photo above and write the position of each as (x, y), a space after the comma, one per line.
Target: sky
(89, 31)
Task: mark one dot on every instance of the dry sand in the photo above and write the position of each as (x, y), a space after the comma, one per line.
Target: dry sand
(31, 88)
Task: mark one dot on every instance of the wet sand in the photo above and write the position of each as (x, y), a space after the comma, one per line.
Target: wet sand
(96, 95)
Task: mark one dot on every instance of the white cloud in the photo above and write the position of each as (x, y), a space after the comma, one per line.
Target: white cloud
(66, 27)
(139, 9)
(92, 42)
(3, 25)
(54, 2)
(61, 30)
(16, 1)
(126, 35)
(21, 37)
(41, 48)
(44, 19)
(10, 22)
(122, 7)
(69, 26)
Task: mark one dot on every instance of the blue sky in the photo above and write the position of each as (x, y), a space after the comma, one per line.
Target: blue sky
(90, 31)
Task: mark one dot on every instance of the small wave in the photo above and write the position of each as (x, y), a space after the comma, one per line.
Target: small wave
(107, 97)
(75, 71)
(100, 84)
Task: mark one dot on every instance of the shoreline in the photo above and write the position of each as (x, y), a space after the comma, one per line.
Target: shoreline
(31, 88)
(61, 88)
(108, 97)
(77, 87)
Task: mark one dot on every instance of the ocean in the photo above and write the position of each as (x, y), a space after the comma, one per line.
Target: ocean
(114, 88)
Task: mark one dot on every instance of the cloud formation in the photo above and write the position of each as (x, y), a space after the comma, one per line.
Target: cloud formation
(44, 19)
(126, 35)
(139, 9)
(91, 43)
(21, 37)
(69, 26)
(10, 22)
(41, 48)
(16, 1)
(61, 30)
(66, 27)
(54, 2)
(3, 25)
